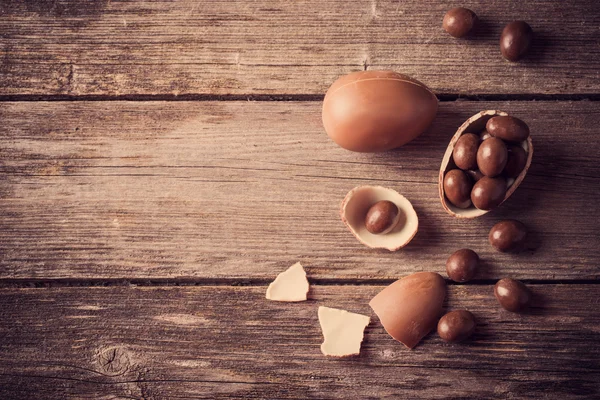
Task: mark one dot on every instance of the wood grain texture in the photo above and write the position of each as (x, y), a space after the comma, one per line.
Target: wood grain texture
(134, 47)
(245, 189)
(227, 342)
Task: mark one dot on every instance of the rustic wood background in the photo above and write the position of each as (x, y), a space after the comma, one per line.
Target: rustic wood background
(162, 161)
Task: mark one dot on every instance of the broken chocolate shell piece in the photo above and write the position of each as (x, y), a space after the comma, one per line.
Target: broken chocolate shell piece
(343, 331)
(411, 307)
(291, 285)
(354, 210)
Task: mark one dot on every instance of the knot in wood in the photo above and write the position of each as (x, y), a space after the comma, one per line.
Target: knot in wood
(114, 360)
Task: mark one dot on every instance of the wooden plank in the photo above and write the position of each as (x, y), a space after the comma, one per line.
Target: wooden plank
(72, 47)
(217, 342)
(245, 189)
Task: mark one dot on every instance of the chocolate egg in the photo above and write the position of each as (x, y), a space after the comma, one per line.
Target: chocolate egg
(517, 159)
(488, 193)
(371, 111)
(462, 265)
(410, 307)
(476, 175)
(512, 295)
(492, 156)
(465, 151)
(508, 128)
(382, 217)
(508, 235)
(459, 21)
(457, 186)
(456, 326)
(515, 40)
(477, 123)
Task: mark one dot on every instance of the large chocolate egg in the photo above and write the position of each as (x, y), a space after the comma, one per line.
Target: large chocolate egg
(371, 111)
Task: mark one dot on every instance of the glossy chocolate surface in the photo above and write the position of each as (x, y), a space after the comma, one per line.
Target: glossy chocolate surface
(381, 217)
(456, 326)
(462, 265)
(512, 295)
(508, 235)
(459, 21)
(492, 156)
(457, 186)
(515, 40)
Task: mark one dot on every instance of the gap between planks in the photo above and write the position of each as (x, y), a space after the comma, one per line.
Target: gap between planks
(164, 282)
(443, 97)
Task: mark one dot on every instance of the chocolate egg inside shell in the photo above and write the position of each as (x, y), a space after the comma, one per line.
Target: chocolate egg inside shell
(477, 124)
(411, 307)
(356, 205)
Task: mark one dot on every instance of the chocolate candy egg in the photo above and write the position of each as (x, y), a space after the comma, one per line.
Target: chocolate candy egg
(512, 295)
(465, 151)
(382, 217)
(457, 186)
(492, 156)
(456, 326)
(488, 193)
(508, 128)
(515, 40)
(462, 265)
(371, 111)
(508, 235)
(476, 175)
(517, 159)
(459, 21)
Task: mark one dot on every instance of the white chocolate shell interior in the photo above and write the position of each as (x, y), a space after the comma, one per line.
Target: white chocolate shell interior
(476, 124)
(291, 285)
(354, 210)
(343, 331)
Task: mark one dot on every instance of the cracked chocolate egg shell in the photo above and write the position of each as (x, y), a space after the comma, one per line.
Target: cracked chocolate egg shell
(410, 307)
(372, 111)
(354, 210)
(476, 124)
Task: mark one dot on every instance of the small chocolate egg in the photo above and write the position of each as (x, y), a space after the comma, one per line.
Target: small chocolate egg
(475, 175)
(382, 217)
(456, 326)
(459, 21)
(462, 265)
(517, 159)
(508, 128)
(492, 156)
(488, 193)
(508, 235)
(512, 295)
(465, 151)
(457, 186)
(371, 111)
(515, 40)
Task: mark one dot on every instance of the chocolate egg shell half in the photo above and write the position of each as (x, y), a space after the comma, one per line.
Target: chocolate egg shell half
(371, 111)
(411, 307)
(354, 209)
(477, 124)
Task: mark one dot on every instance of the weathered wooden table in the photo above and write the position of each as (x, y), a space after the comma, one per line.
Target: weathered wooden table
(162, 161)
